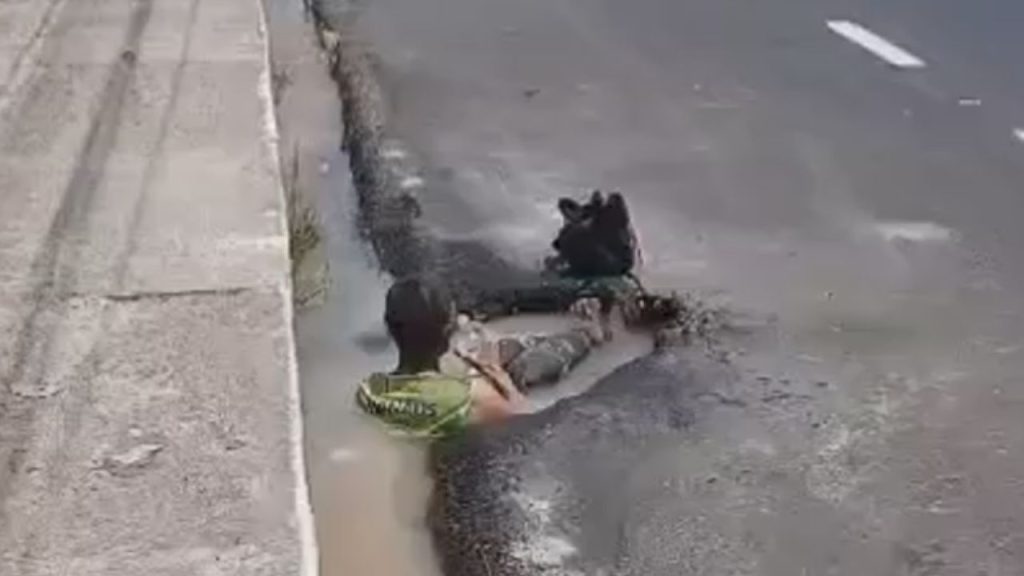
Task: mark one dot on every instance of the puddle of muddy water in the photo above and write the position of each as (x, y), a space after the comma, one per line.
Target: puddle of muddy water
(369, 490)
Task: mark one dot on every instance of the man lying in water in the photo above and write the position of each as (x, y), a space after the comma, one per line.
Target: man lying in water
(436, 390)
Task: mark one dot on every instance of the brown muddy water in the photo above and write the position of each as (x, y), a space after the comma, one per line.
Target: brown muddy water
(369, 490)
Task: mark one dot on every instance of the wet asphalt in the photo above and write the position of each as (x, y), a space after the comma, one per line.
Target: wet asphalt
(861, 221)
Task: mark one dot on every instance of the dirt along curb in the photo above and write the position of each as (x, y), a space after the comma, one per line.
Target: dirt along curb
(382, 174)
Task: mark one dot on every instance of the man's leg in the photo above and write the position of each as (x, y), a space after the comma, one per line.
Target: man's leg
(539, 360)
(546, 359)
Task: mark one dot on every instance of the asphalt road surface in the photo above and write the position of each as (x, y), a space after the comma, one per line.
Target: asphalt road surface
(848, 177)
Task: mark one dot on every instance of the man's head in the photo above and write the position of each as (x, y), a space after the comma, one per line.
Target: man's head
(420, 316)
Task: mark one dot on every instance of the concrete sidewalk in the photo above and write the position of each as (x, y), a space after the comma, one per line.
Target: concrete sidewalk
(149, 414)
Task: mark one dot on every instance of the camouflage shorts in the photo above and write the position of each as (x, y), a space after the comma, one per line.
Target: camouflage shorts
(539, 360)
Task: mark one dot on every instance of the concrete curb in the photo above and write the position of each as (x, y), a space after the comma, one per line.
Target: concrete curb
(303, 508)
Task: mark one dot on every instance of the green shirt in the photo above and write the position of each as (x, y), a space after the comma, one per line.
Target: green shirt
(428, 404)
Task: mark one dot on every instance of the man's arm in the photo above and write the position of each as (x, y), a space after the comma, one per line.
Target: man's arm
(488, 404)
(495, 377)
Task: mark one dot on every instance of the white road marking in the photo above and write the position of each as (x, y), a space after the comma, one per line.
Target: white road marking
(410, 182)
(875, 44)
(914, 231)
(1019, 133)
(343, 455)
(269, 243)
